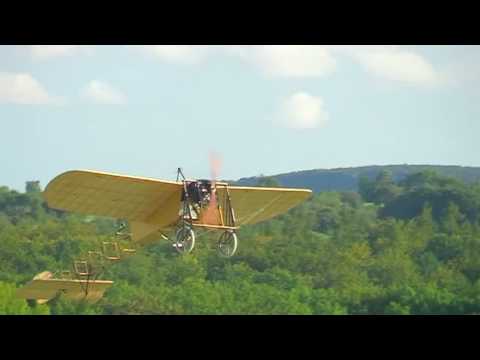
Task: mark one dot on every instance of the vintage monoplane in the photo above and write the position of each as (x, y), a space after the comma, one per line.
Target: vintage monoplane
(152, 208)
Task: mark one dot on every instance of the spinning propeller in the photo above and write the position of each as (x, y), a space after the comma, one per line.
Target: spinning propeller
(215, 165)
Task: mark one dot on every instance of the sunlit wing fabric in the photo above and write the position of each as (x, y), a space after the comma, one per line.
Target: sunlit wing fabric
(117, 196)
(47, 289)
(256, 204)
(151, 205)
(143, 233)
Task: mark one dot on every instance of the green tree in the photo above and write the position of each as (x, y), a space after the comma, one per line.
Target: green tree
(268, 181)
(385, 189)
(33, 187)
(11, 305)
(366, 188)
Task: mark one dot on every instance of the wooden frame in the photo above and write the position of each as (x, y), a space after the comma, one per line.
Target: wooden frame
(224, 210)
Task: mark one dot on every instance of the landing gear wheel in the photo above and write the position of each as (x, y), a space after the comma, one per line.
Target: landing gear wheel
(227, 244)
(185, 240)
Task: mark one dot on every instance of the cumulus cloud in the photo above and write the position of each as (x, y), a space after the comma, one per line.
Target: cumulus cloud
(400, 66)
(394, 63)
(183, 54)
(304, 111)
(273, 60)
(103, 93)
(288, 60)
(22, 88)
(390, 62)
(52, 51)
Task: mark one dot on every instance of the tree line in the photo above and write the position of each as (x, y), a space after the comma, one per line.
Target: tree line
(408, 247)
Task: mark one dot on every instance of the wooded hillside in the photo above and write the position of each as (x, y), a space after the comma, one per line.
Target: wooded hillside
(408, 247)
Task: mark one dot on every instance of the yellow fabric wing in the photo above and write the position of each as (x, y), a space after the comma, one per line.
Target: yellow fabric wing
(123, 197)
(151, 205)
(47, 289)
(254, 204)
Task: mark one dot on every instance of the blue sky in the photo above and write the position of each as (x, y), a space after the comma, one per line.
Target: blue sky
(266, 109)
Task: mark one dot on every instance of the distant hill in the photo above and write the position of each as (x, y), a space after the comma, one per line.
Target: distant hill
(346, 179)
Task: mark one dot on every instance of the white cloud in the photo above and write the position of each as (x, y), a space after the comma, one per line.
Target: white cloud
(401, 66)
(304, 111)
(394, 63)
(52, 51)
(273, 60)
(288, 60)
(22, 88)
(183, 54)
(102, 93)
(391, 62)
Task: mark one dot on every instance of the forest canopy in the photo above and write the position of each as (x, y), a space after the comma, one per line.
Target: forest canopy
(409, 246)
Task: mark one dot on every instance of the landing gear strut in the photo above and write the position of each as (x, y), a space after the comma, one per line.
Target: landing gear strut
(205, 204)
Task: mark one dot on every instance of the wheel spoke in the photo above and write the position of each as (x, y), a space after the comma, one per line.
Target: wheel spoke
(185, 240)
(227, 244)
